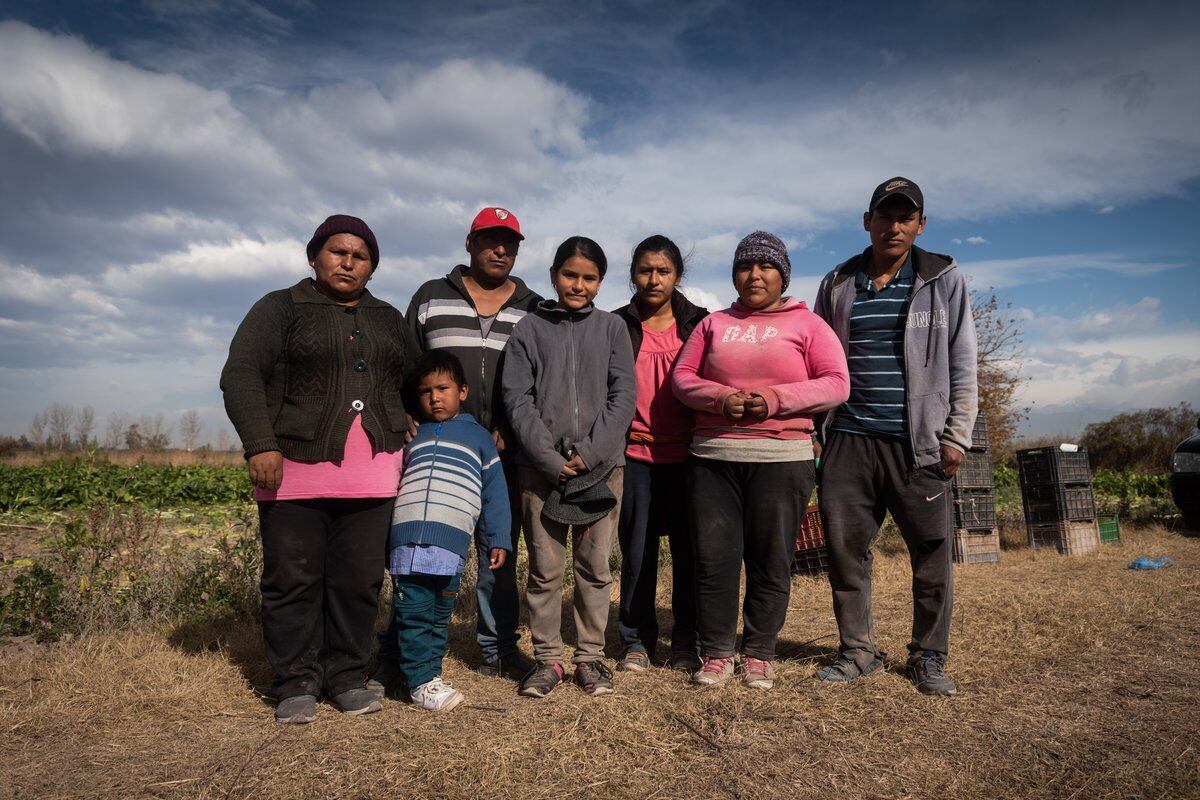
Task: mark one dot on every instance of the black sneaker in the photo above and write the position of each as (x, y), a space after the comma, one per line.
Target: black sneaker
(928, 671)
(515, 666)
(846, 669)
(541, 680)
(386, 680)
(594, 677)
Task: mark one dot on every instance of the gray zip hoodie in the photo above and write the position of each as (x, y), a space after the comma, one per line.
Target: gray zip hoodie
(569, 374)
(941, 395)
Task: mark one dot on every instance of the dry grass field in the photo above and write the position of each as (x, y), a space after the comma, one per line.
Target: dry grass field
(1077, 679)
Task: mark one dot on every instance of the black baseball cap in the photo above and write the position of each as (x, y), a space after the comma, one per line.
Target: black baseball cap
(897, 186)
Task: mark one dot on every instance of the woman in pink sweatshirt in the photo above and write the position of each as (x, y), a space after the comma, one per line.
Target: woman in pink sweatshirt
(755, 374)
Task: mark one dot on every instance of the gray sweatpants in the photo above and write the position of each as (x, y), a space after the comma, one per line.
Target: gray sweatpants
(863, 478)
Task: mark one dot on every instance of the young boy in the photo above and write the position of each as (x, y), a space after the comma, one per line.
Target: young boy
(451, 485)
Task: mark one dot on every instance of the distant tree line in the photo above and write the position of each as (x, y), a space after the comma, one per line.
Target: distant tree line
(63, 428)
(1139, 440)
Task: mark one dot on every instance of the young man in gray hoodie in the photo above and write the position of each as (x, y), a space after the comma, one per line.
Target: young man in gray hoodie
(904, 317)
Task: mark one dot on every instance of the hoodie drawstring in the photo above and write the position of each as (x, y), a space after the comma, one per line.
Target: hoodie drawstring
(932, 306)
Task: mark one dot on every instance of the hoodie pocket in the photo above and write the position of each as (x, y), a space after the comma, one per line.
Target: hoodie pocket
(299, 417)
(927, 418)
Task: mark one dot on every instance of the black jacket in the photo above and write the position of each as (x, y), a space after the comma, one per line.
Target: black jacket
(300, 366)
(442, 315)
(687, 317)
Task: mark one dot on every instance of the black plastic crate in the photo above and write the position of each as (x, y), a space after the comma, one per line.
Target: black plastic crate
(979, 434)
(1058, 503)
(1045, 465)
(975, 472)
(811, 561)
(975, 508)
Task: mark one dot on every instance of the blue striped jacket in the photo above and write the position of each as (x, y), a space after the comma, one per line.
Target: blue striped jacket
(452, 486)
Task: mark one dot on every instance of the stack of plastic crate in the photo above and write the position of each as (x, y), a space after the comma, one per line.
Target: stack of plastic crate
(976, 537)
(1056, 490)
(811, 557)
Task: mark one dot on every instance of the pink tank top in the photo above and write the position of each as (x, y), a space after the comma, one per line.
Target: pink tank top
(662, 426)
(360, 473)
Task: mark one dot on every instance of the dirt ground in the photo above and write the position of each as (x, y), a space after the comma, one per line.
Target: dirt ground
(1077, 679)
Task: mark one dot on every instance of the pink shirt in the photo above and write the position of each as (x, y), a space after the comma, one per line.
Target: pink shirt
(788, 355)
(360, 473)
(659, 414)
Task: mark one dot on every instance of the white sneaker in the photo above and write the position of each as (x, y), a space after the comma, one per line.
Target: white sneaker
(436, 695)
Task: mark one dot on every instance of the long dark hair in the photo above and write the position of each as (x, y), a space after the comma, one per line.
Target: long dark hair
(658, 244)
(584, 248)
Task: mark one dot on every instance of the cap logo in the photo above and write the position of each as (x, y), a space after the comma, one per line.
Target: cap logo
(501, 214)
(895, 185)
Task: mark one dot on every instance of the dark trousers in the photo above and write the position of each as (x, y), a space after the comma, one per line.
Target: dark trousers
(323, 565)
(655, 503)
(497, 604)
(863, 478)
(421, 607)
(745, 512)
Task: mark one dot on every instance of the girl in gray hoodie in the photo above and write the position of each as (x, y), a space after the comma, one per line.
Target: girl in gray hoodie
(569, 390)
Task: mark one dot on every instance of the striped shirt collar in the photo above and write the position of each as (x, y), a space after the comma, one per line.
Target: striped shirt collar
(862, 281)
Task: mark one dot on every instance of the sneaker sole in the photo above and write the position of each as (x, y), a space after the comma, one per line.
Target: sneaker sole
(369, 708)
(297, 719)
(838, 681)
(711, 681)
(535, 692)
(632, 666)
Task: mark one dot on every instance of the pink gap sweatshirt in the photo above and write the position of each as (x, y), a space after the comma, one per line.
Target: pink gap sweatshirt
(788, 355)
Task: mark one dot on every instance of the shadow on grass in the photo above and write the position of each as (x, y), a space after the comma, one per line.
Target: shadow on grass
(236, 636)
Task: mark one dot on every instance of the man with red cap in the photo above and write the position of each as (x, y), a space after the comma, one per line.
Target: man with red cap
(471, 312)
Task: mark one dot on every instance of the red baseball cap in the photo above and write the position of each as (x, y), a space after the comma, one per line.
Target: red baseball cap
(494, 217)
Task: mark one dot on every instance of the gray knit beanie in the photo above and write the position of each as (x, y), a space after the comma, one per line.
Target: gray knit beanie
(763, 247)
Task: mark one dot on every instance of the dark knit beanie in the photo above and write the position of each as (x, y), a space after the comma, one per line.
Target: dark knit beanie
(343, 223)
(763, 247)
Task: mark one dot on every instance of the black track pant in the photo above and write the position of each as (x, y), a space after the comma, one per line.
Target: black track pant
(745, 512)
(863, 478)
(323, 564)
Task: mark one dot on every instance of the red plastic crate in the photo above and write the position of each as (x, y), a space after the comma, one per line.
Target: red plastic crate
(811, 561)
(812, 532)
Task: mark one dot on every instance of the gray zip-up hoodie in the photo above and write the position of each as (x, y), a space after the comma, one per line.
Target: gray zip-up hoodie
(569, 374)
(941, 394)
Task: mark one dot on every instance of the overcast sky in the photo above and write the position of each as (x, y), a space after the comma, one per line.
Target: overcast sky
(164, 162)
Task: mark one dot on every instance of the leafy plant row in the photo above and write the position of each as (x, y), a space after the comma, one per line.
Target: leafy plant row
(61, 485)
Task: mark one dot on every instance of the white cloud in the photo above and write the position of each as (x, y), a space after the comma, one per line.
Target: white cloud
(1095, 324)
(1005, 272)
(976, 240)
(1106, 209)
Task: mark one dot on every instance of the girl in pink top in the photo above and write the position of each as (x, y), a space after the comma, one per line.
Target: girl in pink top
(754, 374)
(659, 319)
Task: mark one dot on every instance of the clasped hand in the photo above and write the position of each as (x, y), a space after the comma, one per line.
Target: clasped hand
(745, 404)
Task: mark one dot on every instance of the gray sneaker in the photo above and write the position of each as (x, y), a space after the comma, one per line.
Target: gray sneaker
(634, 661)
(513, 666)
(541, 680)
(928, 671)
(298, 710)
(594, 677)
(357, 701)
(845, 670)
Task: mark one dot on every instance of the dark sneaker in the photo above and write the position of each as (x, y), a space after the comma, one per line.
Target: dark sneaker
(634, 661)
(541, 680)
(386, 681)
(357, 701)
(928, 671)
(685, 661)
(298, 710)
(515, 666)
(844, 670)
(594, 677)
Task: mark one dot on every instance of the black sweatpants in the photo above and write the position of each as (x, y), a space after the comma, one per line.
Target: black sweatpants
(744, 512)
(323, 564)
(655, 503)
(863, 478)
